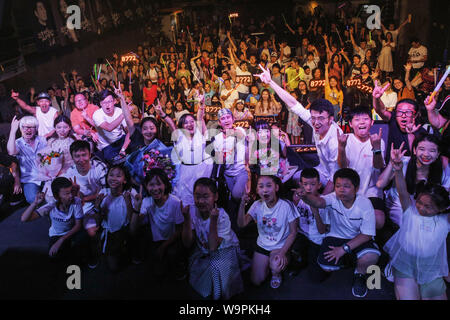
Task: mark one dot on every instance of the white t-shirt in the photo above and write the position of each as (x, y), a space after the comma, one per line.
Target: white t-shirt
(348, 223)
(46, 120)
(235, 152)
(273, 223)
(91, 183)
(327, 148)
(224, 230)
(392, 201)
(105, 137)
(162, 219)
(233, 97)
(360, 158)
(61, 222)
(116, 209)
(418, 54)
(307, 223)
(389, 99)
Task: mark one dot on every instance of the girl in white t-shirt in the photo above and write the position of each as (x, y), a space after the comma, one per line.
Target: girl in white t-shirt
(115, 206)
(214, 265)
(165, 220)
(426, 164)
(418, 250)
(277, 222)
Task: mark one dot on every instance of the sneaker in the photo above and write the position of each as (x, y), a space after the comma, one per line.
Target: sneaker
(359, 287)
(275, 282)
(388, 273)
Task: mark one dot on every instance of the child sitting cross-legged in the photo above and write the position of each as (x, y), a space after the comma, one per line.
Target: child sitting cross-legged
(352, 228)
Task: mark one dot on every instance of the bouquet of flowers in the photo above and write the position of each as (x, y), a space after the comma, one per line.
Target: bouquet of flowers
(155, 159)
(50, 164)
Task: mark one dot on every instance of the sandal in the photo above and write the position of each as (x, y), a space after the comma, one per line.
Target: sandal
(275, 283)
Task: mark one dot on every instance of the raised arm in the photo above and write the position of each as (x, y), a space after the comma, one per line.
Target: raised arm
(22, 103)
(378, 104)
(342, 156)
(244, 219)
(434, 117)
(408, 67)
(12, 151)
(400, 183)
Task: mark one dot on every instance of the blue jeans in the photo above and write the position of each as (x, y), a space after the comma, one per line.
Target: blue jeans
(30, 190)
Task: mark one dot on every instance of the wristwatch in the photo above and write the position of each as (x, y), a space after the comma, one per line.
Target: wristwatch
(376, 151)
(347, 248)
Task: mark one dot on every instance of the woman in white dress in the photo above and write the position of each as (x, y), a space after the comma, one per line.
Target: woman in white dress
(189, 152)
(385, 62)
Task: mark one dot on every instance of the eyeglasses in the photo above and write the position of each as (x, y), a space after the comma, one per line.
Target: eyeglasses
(408, 113)
(26, 128)
(107, 102)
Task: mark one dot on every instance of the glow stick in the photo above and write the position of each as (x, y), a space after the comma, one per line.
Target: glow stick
(439, 85)
(99, 72)
(285, 22)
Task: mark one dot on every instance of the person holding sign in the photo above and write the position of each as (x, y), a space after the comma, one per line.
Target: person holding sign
(243, 77)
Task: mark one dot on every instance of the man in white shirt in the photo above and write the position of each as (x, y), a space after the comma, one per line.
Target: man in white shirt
(111, 128)
(418, 55)
(364, 153)
(320, 117)
(44, 113)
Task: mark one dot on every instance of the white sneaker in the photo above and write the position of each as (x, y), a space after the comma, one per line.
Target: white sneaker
(388, 273)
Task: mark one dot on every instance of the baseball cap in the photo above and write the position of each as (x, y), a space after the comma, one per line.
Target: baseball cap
(240, 101)
(274, 54)
(43, 95)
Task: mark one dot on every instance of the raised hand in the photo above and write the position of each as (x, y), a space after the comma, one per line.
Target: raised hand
(99, 200)
(375, 140)
(75, 187)
(214, 212)
(138, 198)
(378, 90)
(185, 211)
(265, 75)
(430, 105)
(342, 139)
(397, 156)
(40, 197)
(408, 66)
(15, 124)
(14, 95)
(412, 128)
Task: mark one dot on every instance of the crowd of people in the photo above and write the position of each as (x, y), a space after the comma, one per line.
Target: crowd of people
(173, 156)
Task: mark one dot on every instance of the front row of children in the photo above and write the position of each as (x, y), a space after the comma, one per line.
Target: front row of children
(331, 232)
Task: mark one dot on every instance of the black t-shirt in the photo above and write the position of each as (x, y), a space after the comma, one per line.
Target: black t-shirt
(136, 141)
(397, 137)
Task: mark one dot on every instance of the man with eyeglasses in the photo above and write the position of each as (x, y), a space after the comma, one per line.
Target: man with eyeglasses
(320, 117)
(401, 121)
(111, 127)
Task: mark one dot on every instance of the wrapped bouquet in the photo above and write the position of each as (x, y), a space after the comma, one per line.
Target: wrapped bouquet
(155, 159)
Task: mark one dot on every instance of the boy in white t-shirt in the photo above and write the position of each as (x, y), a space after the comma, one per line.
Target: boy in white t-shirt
(66, 215)
(88, 177)
(112, 129)
(352, 228)
(311, 229)
(364, 153)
